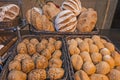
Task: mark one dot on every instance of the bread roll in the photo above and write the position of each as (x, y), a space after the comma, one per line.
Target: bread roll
(96, 38)
(110, 46)
(84, 46)
(41, 62)
(51, 47)
(73, 42)
(14, 65)
(58, 45)
(81, 75)
(73, 50)
(52, 40)
(87, 20)
(27, 65)
(89, 67)
(73, 5)
(31, 49)
(77, 61)
(103, 41)
(96, 57)
(88, 40)
(85, 56)
(116, 56)
(21, 48)
(56, 73)
(37, 74)
(26, 41)
(114, 74)
(103, 67)
(16, 75)
(109, 60)
(46, 53)
(44, 41)
(105, 51)
(55, 63)
(65, 21)
(98, 77)
(99, 44)
(118, 68)
(93, 48)
(57, 54)
(35, 56)
(40, 47)
(34, 41)
(20, 57)
(79, 40)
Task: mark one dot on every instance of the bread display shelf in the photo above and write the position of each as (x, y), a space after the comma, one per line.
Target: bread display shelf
(5, 71)
(72, 69)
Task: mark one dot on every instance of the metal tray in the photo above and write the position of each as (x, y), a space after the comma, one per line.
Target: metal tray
(72, 71)
(4, 73)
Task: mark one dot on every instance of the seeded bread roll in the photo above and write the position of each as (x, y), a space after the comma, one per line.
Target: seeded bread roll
(77, 61)
(31, 48)
(65, 21)
(87, 20)
(73, 5)
(34, 41)
(46, 53)
(40, 47)
(81, 75)
(35, 56)
(55, 63)
(58, 45)
(14, 65)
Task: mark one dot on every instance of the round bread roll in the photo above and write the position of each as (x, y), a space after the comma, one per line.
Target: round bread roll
(31, 49)
(84, 46)
(81, 75)
(41, 62)
(34, 41)
(77, 61)
(57, 54)
(27, 65)
(58, 45)
(35, 56)
(44, 41)
(96, 38)
(46, 53)
(20, 57)
(105, 51)
(55, 63)
(66, 21)
(50, 10)
(85, 56)
(114, 74)
(51, 47)
(40, 47)
(102, 67)
(26, 41)
(78, 40)
(16, 75)
(73, 42)
(110, 46)
(93, 48)
(89, 67)
(52, 40)
(55, 73)
(118, 68)
(98, 77)
(14, 65)
(37, 74)
(88, 40)
(96, 57)
(73, 50)
(109, 60)
(116, 56)
(87, 20)
(99, 44)
(21, 48)
(73, 5)
(103, 41)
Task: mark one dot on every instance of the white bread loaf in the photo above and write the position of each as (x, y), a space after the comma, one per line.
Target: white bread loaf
(9, 12)
(66, 21)
(73, 5)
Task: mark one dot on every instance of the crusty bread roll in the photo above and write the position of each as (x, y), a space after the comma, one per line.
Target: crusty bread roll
(81, 75)
(99, 44)
(114, 74)
(102, 67)
(87, 20)
(34, 41)
(9, 12)
(26, 41)
(58, 44)
(79, 40)
(14, 65)
(35, 56)
(88, 40)
(93, 48)
(73, 5)
(77, 61)
(46, 53)
(84, 46)
(17, 75)
(31, 48)
(50, 10)
(73, 50)
(57, 54)
(40, 47)
(72, 42)
(105, 51)
(55, 63)
(110, 46)
(89, 67)
(65, 21)
(21, 48)
(96, 57)
(98, 77)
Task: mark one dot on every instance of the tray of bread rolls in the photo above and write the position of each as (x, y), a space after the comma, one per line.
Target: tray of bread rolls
(67, 16)
(10, 14)
(37, 57)
(93, 57)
